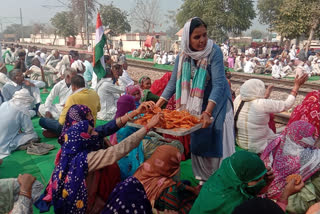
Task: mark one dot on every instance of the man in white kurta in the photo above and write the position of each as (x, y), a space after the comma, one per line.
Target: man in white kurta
(49, 73)
(15, 124)
(249, 67)
(3, 75)
(62, 90)
(277, 72)
(18, 82)
(109, 95)
(124, 79)
(53, 59)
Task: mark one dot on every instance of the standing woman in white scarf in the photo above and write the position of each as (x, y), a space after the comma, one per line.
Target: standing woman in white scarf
(201, 88)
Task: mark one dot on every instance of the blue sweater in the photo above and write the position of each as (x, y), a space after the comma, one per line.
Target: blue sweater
(208, 142)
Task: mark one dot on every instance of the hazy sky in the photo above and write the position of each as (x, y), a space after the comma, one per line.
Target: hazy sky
(40, 11)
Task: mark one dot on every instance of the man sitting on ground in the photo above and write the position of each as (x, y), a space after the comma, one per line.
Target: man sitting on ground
(36, 72)
(89, 69)
(3, 75)
(8, 56)
(53, 59)
(62, 90)
(124, 79)
(81, 96)
(17, 83)
(109, 94)
(15, 124)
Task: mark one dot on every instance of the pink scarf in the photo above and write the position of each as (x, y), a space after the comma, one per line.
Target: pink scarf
(293, 152)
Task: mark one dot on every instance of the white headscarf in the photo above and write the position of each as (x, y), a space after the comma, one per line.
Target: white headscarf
(185, 44)
(22, 101)
(77, 65)
(252, 89)
(192, 104)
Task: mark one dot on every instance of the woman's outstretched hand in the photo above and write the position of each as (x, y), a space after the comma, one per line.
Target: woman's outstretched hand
(155, 120)
(145, 107)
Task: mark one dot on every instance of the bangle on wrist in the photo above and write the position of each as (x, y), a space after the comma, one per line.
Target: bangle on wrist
(294, 92)
(146, 127)
(121, 121)
(129, 117)
(207, 113)
(24, 193)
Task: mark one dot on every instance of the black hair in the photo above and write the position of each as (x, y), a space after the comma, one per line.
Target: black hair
(21, 66)
(78, 81)
(106, 58)
(108, 72)
(196, 22)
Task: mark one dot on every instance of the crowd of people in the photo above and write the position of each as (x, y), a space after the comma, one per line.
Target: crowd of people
(239, 162)
(267, 59)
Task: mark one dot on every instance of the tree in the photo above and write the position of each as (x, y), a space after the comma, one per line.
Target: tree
(16, 29)
(256, 34)
(297, 18)
(37, 28)
(221, 16)
(269, 11)
(64, 24)
(114, 19)
(145, 14)
(173, 26)
(80, 12)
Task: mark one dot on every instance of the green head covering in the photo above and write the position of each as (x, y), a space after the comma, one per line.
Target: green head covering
(226, 188)
(143, 78)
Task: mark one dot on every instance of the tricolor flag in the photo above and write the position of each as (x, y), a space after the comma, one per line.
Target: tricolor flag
(98, 58)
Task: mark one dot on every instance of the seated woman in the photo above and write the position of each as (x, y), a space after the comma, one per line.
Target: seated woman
(309, 111)
(134, 90)
(253, 111)
(76, 114)
(156, 176)
(145, 85)
(128, 197)
(295, 152)
(235, 182)
(130, 163)
(81, 155)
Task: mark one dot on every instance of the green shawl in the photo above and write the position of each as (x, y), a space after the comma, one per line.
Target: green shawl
(226, 188)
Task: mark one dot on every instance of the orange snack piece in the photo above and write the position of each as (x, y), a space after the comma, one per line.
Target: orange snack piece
(296, 177)
(172, 119)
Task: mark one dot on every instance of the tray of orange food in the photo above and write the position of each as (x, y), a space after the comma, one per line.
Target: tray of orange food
(176, 123)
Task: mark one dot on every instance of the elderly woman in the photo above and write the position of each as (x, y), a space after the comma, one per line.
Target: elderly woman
(134, 90)
(295, 151)
(81, 155)
(165, 192)
(235, 182)
(201, 88)
(146, 94)
(253, 111)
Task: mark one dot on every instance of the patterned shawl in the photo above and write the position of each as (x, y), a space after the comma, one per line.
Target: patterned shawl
(293, 152)
(69, 189)
(128, 197)
(190, 96)
(156, 173)
(309, 111)
(76, 113)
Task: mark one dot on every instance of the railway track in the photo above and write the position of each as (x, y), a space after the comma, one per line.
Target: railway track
(283, 85)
